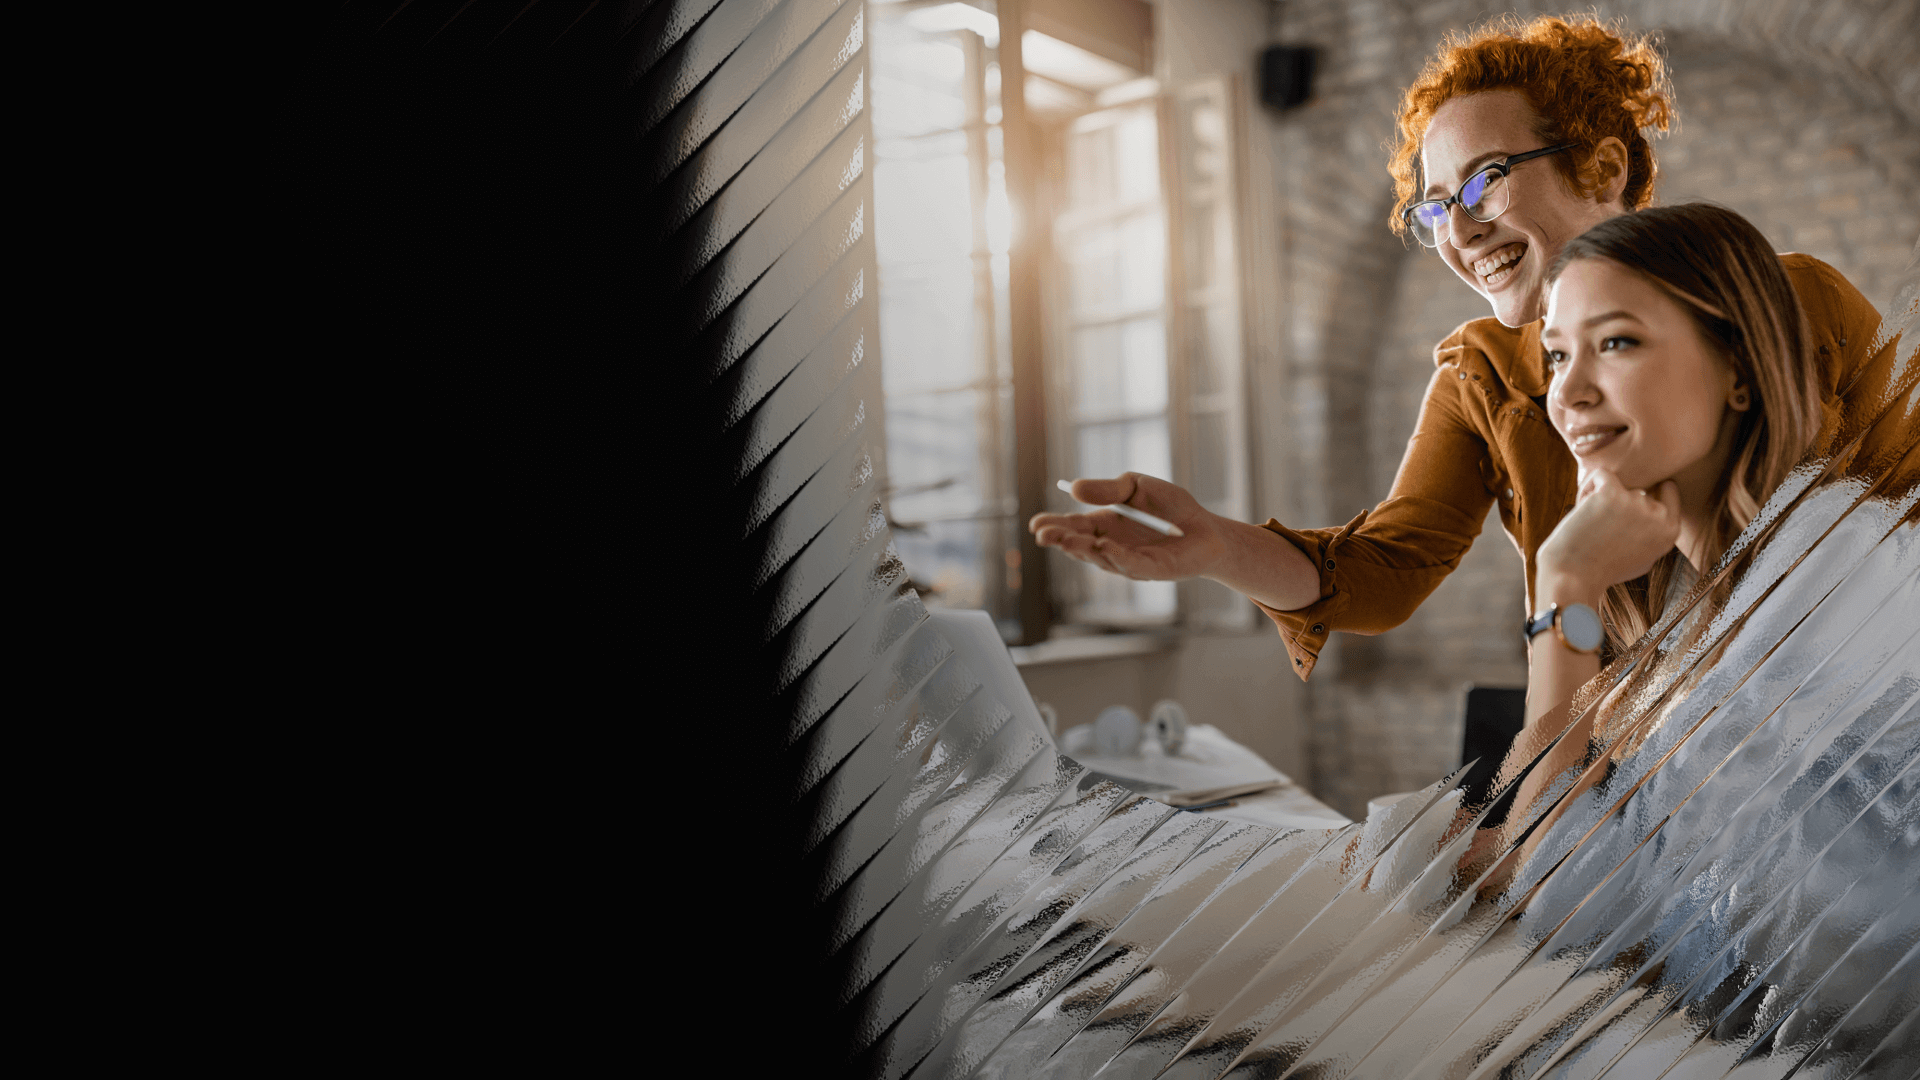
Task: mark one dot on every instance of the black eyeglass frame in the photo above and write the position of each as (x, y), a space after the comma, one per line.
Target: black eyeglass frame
(1503, 167)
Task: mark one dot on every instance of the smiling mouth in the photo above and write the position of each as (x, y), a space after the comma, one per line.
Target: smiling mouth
(1594, 440)
(1499, 266)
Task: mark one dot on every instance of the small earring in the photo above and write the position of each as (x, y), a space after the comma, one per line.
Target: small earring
(1740, 399)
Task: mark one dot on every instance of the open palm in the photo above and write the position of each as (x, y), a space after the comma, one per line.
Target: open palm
(1128, 548)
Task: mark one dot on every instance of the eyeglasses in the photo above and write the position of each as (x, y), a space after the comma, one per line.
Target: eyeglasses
(1484, 197)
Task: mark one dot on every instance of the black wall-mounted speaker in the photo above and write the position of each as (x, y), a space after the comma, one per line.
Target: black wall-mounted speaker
(1286, 75)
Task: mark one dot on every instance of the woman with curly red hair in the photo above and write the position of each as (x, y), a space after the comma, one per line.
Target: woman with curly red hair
(1516, 138)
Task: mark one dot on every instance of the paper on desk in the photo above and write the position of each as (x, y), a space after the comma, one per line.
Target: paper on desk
(1209, 766)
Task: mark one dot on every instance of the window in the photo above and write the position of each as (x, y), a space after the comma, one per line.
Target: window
(1210, 417)
(1140, 292)
(1110, 238)
(941, 240)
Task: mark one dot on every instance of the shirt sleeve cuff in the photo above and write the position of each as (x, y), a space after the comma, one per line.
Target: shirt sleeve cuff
(1305, 630)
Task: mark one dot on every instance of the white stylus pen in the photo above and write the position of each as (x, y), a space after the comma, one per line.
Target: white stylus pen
(1159, 525)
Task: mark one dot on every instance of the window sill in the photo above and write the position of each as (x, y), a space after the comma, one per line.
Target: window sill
(1096, 647)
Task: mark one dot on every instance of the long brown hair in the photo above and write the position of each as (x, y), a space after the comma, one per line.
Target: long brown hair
(1727, 277)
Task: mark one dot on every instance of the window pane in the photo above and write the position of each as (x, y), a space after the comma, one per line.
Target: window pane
(1093, 255)
(1201, 376)
(946, 556)
(939, 207)
(927, 324)
(1147, 448)
(1137, 145)
(1154, 599)
(916, 81)
(1112, 241)
(1144, 261)
(1209, 457)
(1201, 219)
(1143, 363)
(1103, 450)
(933, 455)
(921, 192)
(1090, 172)
(1126, 446)
(1097, 352)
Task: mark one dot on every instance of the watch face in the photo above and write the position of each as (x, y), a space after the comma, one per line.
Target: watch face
(1580, 625)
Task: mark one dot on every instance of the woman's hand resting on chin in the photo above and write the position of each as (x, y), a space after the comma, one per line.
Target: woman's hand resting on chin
(1126, 547)
(1613, 534)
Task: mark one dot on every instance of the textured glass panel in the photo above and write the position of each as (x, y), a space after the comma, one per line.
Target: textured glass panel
(1084, 930)
(1045, 780)
(1864, 1017)
(1116, 962)
(1709, 982)
(1170, 967)
(1030, 922)
(982, 909)
(793, 92)
(1702, 888)
(926, 760)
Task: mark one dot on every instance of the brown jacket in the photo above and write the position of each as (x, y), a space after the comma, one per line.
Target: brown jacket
(1483, 438)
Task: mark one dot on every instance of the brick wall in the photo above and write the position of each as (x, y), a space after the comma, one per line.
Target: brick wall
(1803, 116)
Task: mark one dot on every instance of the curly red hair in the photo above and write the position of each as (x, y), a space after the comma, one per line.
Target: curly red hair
(1585, 80)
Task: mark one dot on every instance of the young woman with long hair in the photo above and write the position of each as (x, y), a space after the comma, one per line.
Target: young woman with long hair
(1686, 386)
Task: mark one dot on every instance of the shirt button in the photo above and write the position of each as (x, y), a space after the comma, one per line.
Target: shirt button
(1509, 493)
(1296, 661)
(1329, 564)
(1319, 628)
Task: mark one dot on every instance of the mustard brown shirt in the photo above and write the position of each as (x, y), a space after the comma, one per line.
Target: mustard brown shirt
(1482, 438)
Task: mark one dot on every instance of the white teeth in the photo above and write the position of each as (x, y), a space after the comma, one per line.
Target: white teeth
(1499, 259)
(1591, 437)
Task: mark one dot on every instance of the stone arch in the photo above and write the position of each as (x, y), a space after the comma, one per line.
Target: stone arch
(1868, 44)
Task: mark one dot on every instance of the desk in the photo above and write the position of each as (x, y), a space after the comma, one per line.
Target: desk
(1288, 806)
(1210, 764)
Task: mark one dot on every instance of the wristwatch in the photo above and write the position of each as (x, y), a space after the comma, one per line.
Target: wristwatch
(1576, 625)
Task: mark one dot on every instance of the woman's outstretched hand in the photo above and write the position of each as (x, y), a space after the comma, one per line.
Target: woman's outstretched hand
(1128, 548)
(1613, 534)
(1241, 556)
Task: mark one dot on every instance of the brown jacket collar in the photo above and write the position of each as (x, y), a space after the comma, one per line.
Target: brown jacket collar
(1514, 352)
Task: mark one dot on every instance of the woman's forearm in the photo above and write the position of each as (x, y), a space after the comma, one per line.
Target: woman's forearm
(1555, 671)
(1261, 564)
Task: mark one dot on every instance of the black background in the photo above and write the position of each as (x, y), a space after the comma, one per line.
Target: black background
(578, 846)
